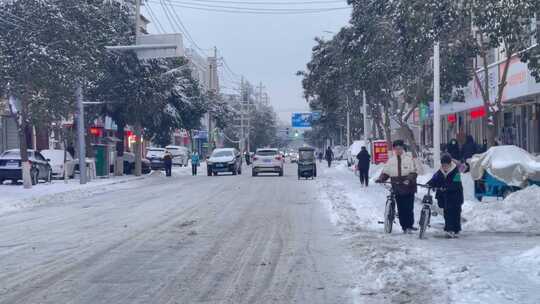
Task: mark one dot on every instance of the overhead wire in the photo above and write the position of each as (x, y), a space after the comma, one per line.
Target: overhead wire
(177, 18)
(251, 10)
(154, 17)
(281, 3)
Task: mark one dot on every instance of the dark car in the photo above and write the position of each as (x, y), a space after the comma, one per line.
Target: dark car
(11, 168)
(155, 156)
(224, 160)
(129, 164)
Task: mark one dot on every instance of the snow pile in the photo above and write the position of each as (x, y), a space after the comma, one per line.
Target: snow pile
(395, 272)
(519, 212)
(513, 170)
(531, 260)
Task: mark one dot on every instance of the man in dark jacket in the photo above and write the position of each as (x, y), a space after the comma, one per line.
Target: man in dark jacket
(453, 149)
(167, 161)
(449, 194)
(329, 155)
(469, 148)
(363, 166)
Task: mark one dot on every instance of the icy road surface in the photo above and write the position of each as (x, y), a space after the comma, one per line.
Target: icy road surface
(239, 239)
(226, 239)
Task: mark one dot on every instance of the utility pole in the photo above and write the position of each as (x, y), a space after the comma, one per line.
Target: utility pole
(138, 127)
(348, 124)
(436, 106)
(80, 134)
(242, 115)
(366, 124)
(213, 92)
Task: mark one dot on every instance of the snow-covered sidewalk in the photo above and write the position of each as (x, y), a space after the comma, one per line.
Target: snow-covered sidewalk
(15, 197)
(486, 265)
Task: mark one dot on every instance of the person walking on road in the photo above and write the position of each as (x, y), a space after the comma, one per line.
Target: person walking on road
(402, 172)
(363, 166)
(329, 156)
(194, 163)
(167, 161)
(449, 194)
(247, 155)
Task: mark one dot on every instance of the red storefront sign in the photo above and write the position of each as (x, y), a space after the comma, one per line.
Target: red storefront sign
(380, 151)
(96, 131)
(478, 112)
(452, 118)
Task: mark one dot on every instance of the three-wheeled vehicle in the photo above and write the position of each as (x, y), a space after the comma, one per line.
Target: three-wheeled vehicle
(307, 167)
(503, 170)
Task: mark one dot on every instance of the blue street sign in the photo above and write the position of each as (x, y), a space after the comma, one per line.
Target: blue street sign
(301, 120)
(315, 115)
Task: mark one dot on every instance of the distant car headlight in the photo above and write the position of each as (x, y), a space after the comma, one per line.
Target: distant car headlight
(232, 162)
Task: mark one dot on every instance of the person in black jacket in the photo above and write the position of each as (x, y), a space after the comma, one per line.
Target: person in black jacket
(453, 149)
(329, 155)
(468, 149)
(363, 166)
(449, 194)
(167, 162)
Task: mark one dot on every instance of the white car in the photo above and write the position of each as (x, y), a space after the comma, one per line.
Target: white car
(58, 166)
(180, 155)
(267, 161)
(294, 157)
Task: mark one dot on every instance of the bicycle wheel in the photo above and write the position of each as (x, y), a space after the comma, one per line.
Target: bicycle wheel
(423, 223)
(389, 214)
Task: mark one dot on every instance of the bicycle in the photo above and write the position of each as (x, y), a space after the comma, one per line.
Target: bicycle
(425, 214)
(389, 210)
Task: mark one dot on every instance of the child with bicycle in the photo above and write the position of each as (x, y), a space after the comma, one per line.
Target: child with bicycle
(447, 181)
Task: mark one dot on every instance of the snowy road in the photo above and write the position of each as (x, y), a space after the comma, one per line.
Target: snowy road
(229, 239)
(239, 239)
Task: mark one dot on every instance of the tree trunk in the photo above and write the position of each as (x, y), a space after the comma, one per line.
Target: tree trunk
(387, 130)
(409, 136)
(138, 149)
(119, 161)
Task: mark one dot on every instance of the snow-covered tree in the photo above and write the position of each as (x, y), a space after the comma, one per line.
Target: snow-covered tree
(46, 48)
(503, 26)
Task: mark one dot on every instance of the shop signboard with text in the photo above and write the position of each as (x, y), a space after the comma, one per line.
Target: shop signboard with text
(380, 151)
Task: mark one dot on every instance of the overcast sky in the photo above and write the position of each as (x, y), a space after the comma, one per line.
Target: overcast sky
(263, 48)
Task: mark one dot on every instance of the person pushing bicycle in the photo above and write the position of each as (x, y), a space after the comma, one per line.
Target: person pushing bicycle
(402, 171)
(449, 194)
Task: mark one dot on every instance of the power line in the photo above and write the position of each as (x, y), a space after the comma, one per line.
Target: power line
(283, 3)
(176, 16)
(254, 11)
(160, 27)
(205, 5)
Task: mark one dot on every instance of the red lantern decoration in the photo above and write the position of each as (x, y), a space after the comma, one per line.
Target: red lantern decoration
(478, 112)
(452, 118)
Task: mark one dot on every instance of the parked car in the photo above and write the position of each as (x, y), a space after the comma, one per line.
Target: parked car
(58, 165)
(11, 168)
(129, 164)
(224, 160)
(155, 156)
(180, 155)
(267, 160)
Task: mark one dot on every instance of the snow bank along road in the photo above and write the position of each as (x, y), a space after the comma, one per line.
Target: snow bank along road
(227, 239)
(484, 266)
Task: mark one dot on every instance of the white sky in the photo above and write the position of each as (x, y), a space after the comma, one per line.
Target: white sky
(263, 48)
